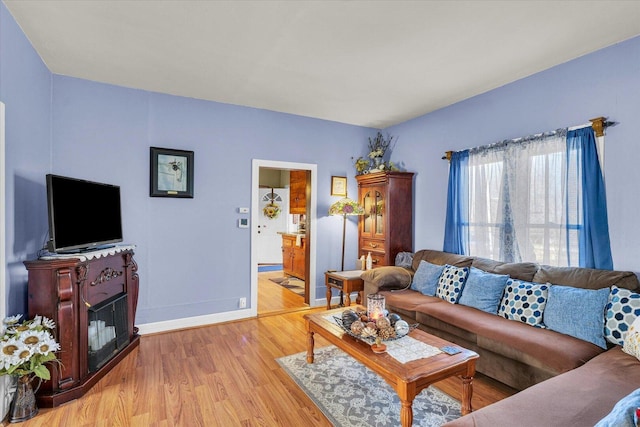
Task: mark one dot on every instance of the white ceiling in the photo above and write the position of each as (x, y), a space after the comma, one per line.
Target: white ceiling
(369, 63)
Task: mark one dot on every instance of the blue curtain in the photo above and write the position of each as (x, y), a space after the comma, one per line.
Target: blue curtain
(595, 247)
(456, 238)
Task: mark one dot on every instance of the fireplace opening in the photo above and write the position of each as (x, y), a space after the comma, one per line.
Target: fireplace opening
(108, 333)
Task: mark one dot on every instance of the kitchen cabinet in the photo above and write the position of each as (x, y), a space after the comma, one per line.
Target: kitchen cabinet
(386, 227)
(298, 192)
(293, 255)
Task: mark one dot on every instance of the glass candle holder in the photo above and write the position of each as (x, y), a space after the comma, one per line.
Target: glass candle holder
(375, 306)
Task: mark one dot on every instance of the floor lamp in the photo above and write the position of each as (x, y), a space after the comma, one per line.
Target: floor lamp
(344, 207)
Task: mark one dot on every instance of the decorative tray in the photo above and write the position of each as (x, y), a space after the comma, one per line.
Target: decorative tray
(371, 339)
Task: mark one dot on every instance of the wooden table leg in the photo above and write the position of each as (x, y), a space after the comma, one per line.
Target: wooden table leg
(310, 343)
(328, 298)
(406, 413)
(347, 299)
(359, 297)
(467, 392)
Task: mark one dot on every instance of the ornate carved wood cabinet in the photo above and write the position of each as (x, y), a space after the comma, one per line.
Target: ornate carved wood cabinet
(386, 227)
(73, 291)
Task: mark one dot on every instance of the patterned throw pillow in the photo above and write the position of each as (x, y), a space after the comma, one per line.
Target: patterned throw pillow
(451, 283)
(622, 310)
(632, 340)
(524, 302)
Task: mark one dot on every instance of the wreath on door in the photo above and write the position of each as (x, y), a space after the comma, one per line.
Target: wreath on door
(272, 210)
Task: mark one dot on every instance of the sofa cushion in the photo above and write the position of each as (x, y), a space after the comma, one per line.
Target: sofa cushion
(441, 258)
(451, 283)
(623, 413)
(524, 302)
(389, 277)
(407, 301)
(580, 397)
(587, 278)
(548, 350)
(622, 310)
(483, 290)
(577, 312)
(517, 270)
(632, 340)
(425, 280)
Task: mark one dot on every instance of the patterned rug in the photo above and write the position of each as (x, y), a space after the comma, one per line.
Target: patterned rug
(350, 394)
(291, 283)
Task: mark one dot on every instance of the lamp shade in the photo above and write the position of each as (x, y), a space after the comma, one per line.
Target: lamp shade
(346, 206)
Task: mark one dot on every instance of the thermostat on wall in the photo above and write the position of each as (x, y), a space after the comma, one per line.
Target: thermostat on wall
(243, 222)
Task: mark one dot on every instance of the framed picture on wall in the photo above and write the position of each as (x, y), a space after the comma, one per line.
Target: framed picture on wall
(339, 186)
(171, 173)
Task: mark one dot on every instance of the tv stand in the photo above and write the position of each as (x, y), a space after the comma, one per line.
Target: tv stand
(70, 289)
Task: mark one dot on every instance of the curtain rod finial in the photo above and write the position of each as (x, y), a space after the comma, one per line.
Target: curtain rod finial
(598, 124)
(447, 155)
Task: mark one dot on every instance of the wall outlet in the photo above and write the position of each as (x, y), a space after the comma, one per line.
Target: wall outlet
(243, 303)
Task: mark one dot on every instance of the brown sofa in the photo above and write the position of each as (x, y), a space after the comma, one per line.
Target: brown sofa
(511, 352)
(579, 398)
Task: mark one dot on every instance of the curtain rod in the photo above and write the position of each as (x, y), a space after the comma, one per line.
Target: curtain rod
(599, 124)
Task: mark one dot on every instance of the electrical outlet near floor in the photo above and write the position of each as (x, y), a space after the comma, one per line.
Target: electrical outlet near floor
(243, 303)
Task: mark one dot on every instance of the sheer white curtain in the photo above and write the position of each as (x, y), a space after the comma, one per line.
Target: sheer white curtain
(517, 208)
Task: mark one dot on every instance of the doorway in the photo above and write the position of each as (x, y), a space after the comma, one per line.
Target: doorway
(275, 240)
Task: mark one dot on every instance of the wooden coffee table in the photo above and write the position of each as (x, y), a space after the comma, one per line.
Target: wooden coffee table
(407, 379)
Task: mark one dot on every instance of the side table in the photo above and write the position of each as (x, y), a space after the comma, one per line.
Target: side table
(346, 282)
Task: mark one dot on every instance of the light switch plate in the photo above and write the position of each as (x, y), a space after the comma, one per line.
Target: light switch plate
(243, 210)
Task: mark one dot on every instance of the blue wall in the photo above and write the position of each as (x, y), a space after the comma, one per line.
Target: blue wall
(25, 89)
(193, 260)
(604, 83)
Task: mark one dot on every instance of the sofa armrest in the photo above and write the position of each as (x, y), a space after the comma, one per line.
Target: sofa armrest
(387, 278)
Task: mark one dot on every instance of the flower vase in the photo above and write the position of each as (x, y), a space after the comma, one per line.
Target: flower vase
(23, 406)
(377, 161)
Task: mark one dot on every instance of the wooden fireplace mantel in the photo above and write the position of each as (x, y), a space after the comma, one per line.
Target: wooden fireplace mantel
(63, 289)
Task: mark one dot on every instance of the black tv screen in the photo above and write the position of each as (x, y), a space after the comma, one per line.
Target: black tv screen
(82, 214)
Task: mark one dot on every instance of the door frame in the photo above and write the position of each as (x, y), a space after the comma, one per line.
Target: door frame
(312, 202)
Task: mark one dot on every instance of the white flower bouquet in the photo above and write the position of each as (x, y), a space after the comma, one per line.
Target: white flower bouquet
(26, 347)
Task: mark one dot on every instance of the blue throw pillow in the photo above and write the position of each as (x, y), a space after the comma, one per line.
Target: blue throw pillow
(577, 312)
(483, 290)
(622, 310)
(451, 283)
(622, 414)
(524, 301)
(425, 280)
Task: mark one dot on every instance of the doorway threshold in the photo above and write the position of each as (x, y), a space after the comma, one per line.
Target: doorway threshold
(284, 311)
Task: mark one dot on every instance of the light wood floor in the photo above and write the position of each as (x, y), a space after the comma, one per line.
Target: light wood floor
(220, 375)
(273, 298)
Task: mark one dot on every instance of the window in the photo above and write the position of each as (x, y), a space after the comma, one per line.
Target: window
(520, 200)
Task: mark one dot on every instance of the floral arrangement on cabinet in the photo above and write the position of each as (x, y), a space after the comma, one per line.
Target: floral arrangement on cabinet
(378, 147)
(26, 347)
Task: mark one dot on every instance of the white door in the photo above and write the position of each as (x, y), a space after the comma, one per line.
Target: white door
(269, 242)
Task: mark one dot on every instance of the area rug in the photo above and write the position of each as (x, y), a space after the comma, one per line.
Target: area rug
(351, 395)
(291, 283)
(269, 267)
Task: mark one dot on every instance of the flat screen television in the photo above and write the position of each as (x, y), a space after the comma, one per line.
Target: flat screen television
(83, 215)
